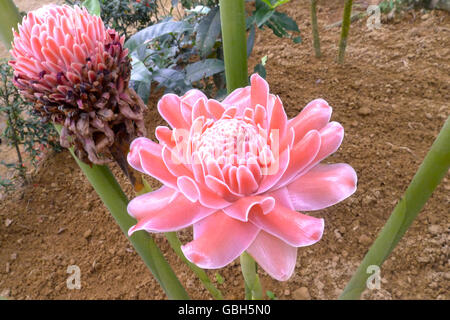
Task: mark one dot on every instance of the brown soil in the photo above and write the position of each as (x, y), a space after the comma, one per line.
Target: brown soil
(392, 98)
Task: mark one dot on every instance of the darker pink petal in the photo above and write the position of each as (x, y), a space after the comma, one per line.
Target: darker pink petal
(259, 91)
(241, 208)
(165, 210)
(303, 153)
(323, 186)
(239, 98)
(146, 156)
(293, 227)
(170, 109)
(275, 256)
(314, 116)
(218, 240)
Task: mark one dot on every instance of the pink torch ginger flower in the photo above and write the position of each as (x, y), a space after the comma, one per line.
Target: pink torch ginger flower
(76, 72)
(239, 171)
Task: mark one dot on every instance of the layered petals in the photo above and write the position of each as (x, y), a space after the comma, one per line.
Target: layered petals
(275, 256)
(218, 240)
(238, 170)
(292, 227)
(151, 211)
(322, 186)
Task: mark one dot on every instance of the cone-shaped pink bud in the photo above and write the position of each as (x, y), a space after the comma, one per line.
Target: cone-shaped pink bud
(76, 71)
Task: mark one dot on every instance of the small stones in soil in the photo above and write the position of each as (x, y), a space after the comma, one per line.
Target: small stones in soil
(5, 293)
(87, 234)
(364, 240)
(434, 229)
(301, 293)
(364, 111)
(8, 222)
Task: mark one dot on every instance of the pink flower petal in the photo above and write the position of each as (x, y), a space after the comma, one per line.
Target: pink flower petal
(169, 108)
(281, 197)
(314, 116)
(275, 256)
(246, 182)
(165, 210)
(322, 186)
(331, 137)
(271, 178)
(293, 227)
(146, 156)
(164, 136)
(259, 91)
(218, 240)
(215, 108)
(239, 98)
(278, 118)
(241, 208)
(303, 153)
(199, 110)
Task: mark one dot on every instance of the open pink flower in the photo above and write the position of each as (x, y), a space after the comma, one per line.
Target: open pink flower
(238, 171)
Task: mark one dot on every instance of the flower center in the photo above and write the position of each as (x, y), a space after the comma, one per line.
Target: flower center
(229, 141)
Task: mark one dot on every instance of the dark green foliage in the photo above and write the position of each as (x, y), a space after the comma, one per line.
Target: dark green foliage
(127, 16)
(180, 55)
(24, 131)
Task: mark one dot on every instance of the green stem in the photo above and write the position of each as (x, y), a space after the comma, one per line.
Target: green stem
(106, 186)
(253, 289)
(432, 170)
(175, 243)
(9, 18)
(315, 28)
(344, 31)
(232, 17)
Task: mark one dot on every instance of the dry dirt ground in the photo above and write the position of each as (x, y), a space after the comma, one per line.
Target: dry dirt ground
(392, 97)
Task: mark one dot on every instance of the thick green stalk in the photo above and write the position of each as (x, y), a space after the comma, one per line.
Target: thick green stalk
(344, 31)
(432, 170)
(106, 186)
(175, 243)
(253, 289)
(232, 17)
(9, 18)
(315, 29)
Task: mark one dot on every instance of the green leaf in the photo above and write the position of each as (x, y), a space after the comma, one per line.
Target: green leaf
(219, 278)
(261, 70)
(262, 15)
(297, 39)
(251, 40)
(139, 71)
(207, 32)
(276, 4)
(143, 90)
(203, 69)
(93, 6)
(285, 21)
(264, 60)
(154, 31)
(271, 295)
